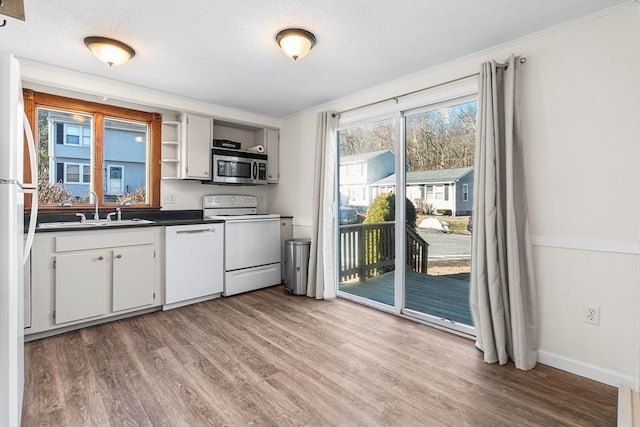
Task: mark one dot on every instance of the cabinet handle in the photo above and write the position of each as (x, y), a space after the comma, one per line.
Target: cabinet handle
(100, 258)
(118, 256)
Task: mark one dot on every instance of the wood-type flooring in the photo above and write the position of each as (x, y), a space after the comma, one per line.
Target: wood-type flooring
(266, 358)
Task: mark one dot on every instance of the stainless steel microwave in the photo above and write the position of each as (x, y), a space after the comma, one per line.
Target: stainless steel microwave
(238, 167)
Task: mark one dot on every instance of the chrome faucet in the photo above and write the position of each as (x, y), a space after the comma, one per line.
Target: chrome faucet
(118, 214)
(96, 215)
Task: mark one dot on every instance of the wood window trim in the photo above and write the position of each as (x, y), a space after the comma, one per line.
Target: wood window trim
(34, 100)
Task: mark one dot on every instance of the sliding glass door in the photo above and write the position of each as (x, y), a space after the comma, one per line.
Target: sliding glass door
(405, 200)
(366, 235)
(439, 144)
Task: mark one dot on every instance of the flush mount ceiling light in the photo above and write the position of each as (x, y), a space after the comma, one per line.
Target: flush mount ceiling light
(295, 42)
(110, 51)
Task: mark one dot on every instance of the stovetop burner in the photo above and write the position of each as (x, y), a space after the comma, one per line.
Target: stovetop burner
(232, 206)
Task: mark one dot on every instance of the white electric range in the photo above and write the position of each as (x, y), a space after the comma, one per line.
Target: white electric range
(251, 242)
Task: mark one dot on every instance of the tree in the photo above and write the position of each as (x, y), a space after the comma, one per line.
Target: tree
(438, 139)
(383, 209)
(51, 193)
(368, 138)
(379, 245)
(442, 139)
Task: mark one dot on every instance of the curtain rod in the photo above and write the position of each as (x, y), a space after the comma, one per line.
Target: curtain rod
(523, 59)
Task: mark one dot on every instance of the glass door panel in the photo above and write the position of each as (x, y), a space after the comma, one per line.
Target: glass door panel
(366, 180)
(440, 146)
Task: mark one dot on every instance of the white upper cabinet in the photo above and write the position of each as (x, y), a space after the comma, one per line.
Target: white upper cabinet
(187, 143)
(197, 134)
(270, 140)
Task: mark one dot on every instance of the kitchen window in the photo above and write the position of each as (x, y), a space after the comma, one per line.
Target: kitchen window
(85, 146)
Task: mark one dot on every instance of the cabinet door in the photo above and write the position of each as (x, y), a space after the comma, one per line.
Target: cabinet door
(197, 147)
(80, 286)
(273, 152)
(133, 277)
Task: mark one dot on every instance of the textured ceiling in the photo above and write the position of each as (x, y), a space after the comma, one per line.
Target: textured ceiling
(224, 51)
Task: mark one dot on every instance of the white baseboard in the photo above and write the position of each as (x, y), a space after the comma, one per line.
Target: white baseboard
(595, 373)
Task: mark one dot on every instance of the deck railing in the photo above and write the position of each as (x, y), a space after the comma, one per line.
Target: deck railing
(367, 250)
(417, 251)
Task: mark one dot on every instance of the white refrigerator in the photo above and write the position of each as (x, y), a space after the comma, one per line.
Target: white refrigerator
(13, 249)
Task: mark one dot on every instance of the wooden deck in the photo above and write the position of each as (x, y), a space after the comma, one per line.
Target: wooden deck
(446, 297)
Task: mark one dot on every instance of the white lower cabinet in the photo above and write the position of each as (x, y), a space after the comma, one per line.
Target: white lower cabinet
(81, 286)
(133, 278)
(85, 276)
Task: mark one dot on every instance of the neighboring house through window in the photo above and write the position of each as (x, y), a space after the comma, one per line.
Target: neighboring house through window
(115, 180)
(72, 174)
(74, 134)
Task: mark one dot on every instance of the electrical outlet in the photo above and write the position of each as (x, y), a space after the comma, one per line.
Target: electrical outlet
(591, 314)
(170, 199)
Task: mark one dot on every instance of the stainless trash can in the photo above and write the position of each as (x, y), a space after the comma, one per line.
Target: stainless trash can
(296, 260)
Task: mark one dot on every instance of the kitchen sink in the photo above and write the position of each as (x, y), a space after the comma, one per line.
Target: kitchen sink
(92, 223)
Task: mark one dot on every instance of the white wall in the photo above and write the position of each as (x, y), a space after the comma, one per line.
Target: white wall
(580, 114)
(293, 194)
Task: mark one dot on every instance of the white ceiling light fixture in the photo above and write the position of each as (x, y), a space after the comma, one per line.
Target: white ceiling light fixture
(296, 42)
(113, 52)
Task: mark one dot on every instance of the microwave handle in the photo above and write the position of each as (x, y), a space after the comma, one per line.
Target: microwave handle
(255, 171)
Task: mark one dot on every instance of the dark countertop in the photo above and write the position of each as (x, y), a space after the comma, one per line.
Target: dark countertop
(159, 218)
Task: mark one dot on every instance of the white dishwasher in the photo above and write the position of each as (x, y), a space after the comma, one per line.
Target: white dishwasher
(194, 263)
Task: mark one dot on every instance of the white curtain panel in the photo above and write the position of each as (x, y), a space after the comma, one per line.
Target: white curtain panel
(322, 280)
(503, 293)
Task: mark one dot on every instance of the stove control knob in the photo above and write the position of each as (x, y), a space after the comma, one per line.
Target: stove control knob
(247, 199)
(217, 200)
(232, 199)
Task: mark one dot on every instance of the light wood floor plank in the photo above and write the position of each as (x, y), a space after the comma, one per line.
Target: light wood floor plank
(266, 358)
